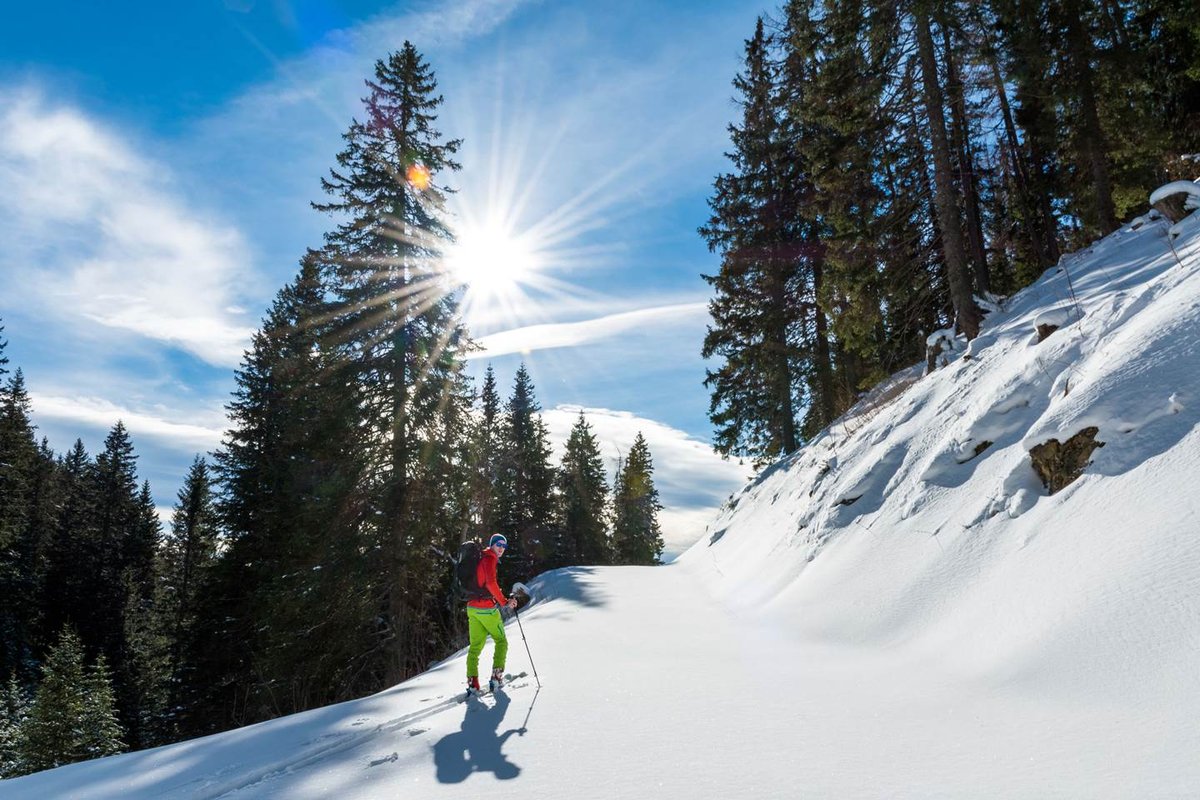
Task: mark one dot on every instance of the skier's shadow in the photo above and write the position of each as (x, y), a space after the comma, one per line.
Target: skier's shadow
(476, 747)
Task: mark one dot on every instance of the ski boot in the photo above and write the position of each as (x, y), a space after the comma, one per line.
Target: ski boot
(497, 680)
(473, 689)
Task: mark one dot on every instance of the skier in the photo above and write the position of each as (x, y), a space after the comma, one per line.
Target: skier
(483, 617)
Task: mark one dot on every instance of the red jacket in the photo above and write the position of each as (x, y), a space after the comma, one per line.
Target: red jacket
(485, 574)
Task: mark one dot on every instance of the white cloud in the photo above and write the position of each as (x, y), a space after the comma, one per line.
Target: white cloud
(571, 334)
(96, 231)
(692, 480)
(103, 414)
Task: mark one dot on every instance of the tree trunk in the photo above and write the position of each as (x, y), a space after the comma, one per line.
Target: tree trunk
(1095, 148)
(966, 167)
(824, 366)
(1020, 170)
(781, 359)
(966, 313)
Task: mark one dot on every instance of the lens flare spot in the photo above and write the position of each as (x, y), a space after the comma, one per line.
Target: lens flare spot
(418, 176)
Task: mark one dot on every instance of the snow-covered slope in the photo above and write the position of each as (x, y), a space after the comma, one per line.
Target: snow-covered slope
(894, 612)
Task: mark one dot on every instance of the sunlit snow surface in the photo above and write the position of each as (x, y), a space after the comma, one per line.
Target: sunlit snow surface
(896, 611)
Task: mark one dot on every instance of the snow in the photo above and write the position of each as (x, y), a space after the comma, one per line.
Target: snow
(1192, 190)
(898, 610)
(944, 336)
(1053, 317)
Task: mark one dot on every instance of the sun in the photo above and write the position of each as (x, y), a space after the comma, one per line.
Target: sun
(490, 259)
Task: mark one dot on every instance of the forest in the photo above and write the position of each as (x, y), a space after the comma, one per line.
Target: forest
(309, 559)
(897, 168)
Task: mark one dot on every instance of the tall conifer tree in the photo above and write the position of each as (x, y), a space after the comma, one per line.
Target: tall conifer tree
(21, 469)
(582, 532)
(754, 311)
(524, 484)
(637, 538)
(285, 618)
(399, 325)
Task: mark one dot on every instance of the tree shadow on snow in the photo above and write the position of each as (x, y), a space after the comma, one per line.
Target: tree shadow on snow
(579, 585)
(477, 746)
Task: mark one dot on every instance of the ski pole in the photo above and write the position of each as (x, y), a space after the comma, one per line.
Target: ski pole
(517, 614)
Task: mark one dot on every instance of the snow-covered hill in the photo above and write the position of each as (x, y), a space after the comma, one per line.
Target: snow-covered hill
(897, 611)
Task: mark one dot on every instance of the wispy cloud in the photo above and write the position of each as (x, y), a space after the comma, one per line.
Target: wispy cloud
(571, 334)
(692, 480)
(100, 413)
(96, 231)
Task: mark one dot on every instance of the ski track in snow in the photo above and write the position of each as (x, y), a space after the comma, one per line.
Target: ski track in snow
(898, 610)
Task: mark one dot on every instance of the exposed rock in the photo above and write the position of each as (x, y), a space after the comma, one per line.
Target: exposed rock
(1058, 464)
(938, 346)
(1171, 207)
(1051, 320)
(1045, 330)
(1176, 199)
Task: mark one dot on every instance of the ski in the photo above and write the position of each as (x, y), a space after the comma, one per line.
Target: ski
(482, 692)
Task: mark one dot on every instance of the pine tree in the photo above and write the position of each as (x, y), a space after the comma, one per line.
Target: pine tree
(74, 551)
(1087, 142)
(1026, 59)
(754, 310)
(637, 538)
(799, 156)
(99, 726)
(582, 533)
(20, 570)
(18, 453)
(525, 479)
(486, 444)
(399, 325)
(285, 616)
(188, 554)
(966, 313)
(114, 582)
(146, 673)
(72, 716)
(14, 708)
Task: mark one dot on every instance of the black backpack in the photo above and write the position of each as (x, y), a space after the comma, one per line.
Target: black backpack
(466, 571)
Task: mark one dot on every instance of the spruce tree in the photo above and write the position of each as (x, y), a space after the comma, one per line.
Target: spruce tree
(14, 708)
(18, 454)
(1023, 50)
(72, 716)
(754, 311)
(486, 445)
(74, 552)
(115, 583)
(285, 616)
(21, 469)
(398, 323)
(524, 485)
(188, 553)
(966, 313)
(637, 538)
(145, 678)
(582, 530)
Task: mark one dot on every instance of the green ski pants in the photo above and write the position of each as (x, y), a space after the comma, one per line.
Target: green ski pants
(482, 623)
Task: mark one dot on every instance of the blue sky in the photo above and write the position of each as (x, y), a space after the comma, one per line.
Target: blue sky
(158, 161)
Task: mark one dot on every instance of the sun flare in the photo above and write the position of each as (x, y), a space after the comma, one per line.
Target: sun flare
(491, 259)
